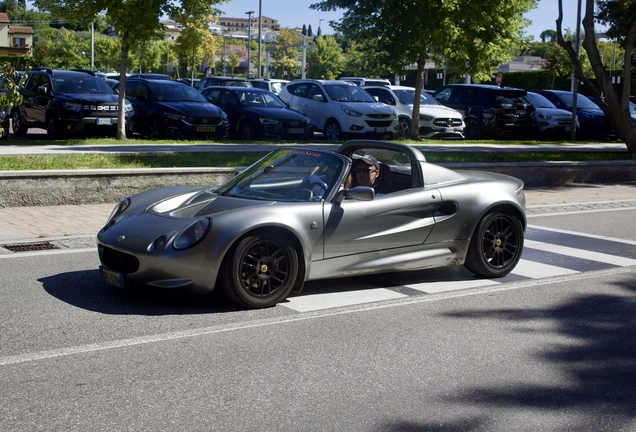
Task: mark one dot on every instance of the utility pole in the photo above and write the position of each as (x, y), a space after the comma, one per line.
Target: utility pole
(249, 41)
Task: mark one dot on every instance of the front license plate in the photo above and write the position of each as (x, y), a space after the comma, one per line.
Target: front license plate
(568, 128)
(380, 129)
(521, 112)
(104, 121)
(295, 131)
(111, 277)
(206, 129)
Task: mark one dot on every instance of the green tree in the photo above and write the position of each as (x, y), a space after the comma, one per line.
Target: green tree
(620, 18)
(134, 20)
(285, 55)
(10, 95)
(325, 59)
(195, 39)
(304, 31)
(232, 62)
(548, 36)
(409, 32)
(359, 63)
(309, 32)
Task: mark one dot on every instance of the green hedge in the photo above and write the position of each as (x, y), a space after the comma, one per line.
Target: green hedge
(18, 63)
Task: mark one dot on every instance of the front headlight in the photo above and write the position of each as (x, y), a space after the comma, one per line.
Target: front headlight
(192, 234)
(267, 121)
(351, 112)
(545, 116)
(120, 208)
(425, 117)
(128, 106)
(174, 116)
(72, 106)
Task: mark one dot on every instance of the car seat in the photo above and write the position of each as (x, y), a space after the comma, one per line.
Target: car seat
(384, 183)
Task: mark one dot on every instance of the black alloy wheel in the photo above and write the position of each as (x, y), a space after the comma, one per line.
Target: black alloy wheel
(261, 270)
(496, 245)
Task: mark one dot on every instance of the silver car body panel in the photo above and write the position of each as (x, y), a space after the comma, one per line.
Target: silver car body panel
(428, 223)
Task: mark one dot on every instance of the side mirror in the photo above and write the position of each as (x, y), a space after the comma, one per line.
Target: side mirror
(390, 101)
(42, 90)
(358, 193)
(142, 98)
(319, 98)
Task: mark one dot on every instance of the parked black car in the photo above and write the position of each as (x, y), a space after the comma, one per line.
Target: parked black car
(489, 111)
(591, 117)
(5, 114)
(222, 81)
(256, 113)
(165, 108)
(68, 102)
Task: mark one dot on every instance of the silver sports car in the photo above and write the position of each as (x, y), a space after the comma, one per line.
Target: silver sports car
(297, 215)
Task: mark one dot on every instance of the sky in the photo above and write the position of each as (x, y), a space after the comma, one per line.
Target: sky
(295, 13)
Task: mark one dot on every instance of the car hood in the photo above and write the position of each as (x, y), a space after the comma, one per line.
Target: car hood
(276, 113)
(553, 112)
(163, 212)
(368, 108)
(436, 110)
(89, 97)
(197, 109)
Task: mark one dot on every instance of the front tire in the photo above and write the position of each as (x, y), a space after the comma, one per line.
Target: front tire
(155, 131)
(260, 270)
(404, 129)
(496, 246)
(247, 131)
(333, 131)
(19, 128)
(53, 131)
(473, 129)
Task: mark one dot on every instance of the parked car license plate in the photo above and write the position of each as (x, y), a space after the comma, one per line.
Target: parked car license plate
(206, 129)
(520, 112)
(111, 277)
(104, 121)
(380, 129)
(295, 131)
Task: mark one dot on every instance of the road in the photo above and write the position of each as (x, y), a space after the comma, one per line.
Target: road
(549, 347)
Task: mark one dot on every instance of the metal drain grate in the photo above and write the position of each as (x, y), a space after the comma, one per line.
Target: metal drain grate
(30, 247)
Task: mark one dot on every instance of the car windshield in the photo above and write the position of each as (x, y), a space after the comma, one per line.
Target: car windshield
(540, 101)
(347, 93)
(581, 101)
(251, 98)
(407, 97)
(87, 84)
(287, 175)
(176, 93)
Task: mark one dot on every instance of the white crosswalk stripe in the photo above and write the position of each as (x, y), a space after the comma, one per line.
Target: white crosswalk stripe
(580, 253)
(354, 291)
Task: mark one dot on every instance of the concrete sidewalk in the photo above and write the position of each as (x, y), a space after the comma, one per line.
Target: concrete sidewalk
(28, 224)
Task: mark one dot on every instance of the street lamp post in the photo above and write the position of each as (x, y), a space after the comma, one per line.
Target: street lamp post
(249, 40)
(260, 26)
(320, 22)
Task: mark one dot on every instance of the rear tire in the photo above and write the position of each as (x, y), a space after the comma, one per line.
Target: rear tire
(496, 246)
(260, 270)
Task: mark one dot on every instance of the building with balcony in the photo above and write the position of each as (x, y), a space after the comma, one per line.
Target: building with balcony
(14, 40)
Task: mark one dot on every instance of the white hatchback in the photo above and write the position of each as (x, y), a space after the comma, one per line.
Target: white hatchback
(340, 109)
(436, 120)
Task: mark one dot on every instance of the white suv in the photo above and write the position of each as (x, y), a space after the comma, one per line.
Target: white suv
(340, 109)
(436, 120)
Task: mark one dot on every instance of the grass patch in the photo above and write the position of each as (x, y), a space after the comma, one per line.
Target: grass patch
(230, 159)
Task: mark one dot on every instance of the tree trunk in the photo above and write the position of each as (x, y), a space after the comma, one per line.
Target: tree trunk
(419, 85)
(616, 109)
(121, 115)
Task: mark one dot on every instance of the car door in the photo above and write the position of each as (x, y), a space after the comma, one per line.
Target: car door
(229, 103)
(396, 220)
(35, 102)
(317, 110)
(138, 95)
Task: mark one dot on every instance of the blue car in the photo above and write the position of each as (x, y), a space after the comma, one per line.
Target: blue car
(172, 109)
(591, 118)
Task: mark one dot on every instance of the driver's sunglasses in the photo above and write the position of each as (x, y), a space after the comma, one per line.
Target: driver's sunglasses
(364, 171)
